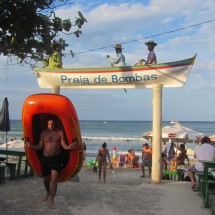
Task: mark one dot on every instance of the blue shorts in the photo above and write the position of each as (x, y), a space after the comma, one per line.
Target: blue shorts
(146, 162)
(193, 169)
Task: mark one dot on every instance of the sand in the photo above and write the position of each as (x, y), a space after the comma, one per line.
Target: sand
(124, 193)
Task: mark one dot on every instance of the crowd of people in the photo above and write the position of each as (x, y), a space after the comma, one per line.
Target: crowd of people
(52, 139)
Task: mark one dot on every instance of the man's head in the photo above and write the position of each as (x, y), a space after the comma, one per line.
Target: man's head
(51, 124)
(57, 47)
(118, 48)
(151, 44)
(146, 145)
(205, 140)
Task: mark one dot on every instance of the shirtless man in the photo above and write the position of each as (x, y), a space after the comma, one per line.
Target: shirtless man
(51, 141)
(147, 159)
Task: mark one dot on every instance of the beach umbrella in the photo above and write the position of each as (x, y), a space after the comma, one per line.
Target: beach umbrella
(4, 118)
(14, 145)
(178, 133)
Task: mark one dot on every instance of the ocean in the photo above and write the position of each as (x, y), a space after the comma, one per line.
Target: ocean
(123, 135)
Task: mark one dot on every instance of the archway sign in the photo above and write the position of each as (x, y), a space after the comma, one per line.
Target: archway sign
(155, 76)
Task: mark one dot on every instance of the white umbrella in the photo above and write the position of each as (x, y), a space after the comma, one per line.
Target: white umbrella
(14, 145)
(178, 133)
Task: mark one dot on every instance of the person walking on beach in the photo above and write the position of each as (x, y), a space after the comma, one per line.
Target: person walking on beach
(119, 60)
(151, 58)
(51, 141)
(146, 159)
(103, 154)
(205, 151)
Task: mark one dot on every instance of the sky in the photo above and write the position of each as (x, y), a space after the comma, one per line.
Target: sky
(122, 21)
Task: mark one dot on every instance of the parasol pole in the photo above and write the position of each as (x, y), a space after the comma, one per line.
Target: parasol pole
(176, 166)
(6, 148)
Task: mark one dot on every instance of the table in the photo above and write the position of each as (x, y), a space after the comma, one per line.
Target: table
(213, 201)
(205, 182)
(20, 155)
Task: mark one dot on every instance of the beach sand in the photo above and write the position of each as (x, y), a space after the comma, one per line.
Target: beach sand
(124, 193)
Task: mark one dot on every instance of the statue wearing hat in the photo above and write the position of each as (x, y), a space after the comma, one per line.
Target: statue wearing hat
(151, 58)
(55, 60)
(119, 60)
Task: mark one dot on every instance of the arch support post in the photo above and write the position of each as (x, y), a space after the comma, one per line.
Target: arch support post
(56, 90)
(157, 133)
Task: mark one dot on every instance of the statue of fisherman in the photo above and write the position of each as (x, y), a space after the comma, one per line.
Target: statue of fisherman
(55, 60)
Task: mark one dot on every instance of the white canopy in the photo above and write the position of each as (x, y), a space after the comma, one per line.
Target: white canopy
(14, 145)
(178, 133)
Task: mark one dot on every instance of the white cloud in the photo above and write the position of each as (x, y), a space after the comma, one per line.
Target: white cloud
(114, 22)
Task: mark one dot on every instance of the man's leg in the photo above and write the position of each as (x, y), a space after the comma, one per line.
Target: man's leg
(150, 170)
(53, 187)
(46, 182)
(143, 170)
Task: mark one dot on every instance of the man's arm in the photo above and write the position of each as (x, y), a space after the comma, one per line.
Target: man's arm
(114, 60)
(36, 147)
(65, 146)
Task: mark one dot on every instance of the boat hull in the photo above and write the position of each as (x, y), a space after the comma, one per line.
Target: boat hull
(37, 110)
(172, 74)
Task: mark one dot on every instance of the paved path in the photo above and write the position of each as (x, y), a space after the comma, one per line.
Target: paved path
(124, 193)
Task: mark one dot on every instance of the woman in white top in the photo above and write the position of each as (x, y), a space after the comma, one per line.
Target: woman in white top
(205, 151)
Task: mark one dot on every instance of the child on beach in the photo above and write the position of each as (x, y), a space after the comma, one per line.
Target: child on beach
(103, 154)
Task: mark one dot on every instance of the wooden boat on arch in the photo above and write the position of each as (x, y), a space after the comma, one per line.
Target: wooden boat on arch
(170, 74)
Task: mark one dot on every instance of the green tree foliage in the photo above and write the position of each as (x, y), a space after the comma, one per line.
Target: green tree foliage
(29, 28)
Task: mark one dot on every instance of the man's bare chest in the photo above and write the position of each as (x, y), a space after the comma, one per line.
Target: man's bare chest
(52, 136)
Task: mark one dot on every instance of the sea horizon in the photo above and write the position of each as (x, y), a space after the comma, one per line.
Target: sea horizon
(123, 134)
(135, 120)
